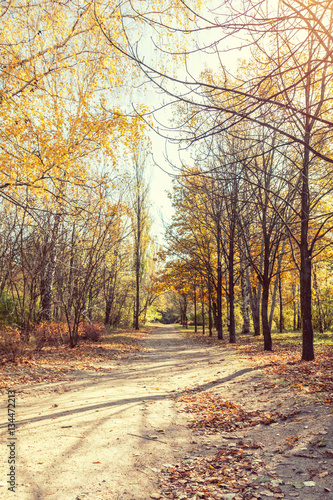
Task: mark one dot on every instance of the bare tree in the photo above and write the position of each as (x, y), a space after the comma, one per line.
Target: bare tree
(140, 227)
(292, 51)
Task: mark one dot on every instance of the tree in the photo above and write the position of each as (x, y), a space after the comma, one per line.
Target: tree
(60, 144)
(140, 228)
(292, 50)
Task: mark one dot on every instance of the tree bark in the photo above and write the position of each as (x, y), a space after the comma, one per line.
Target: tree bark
(305, 270)
(276, 283)
(264, 317)
(255, 309)
(110, 298)
(195, 309)
(219, 285)
(318, 303)
(245, 297)
(46, 287)
(294, 307)
(210, 322)
(203, 316)
(232, 331)
(203, 309)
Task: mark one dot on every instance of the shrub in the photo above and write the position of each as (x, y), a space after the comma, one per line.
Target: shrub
(49, 334)
(11, 343)
(92, 332)
(7, 308)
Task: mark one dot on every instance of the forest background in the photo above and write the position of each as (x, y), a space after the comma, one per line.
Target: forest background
(84, 86)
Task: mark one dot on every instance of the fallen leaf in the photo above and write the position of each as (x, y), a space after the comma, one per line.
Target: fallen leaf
(276, 482)
(309, 483)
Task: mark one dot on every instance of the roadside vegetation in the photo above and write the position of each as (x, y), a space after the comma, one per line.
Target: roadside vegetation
(284, 361)
(34, 363)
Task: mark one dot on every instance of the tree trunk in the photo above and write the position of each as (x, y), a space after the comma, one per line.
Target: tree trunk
(46, 288)
(232, 331)
(299, 319)
(306, 303)
(109, 302)
(265, 282)
(90, 305)
(210, 322)
(203, 310)
(264, 316)
(276, 283)
(203, 317)
(195, 310)
(137, 278)
(255, 309)
(294, 307)
(281, 325)
(227, 295)
(219, 285)
(266, 330)
(318, 303)
(185, 311)
(305, 271)
(245, 298)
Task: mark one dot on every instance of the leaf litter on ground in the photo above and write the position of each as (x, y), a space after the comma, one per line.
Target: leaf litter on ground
(57, 363)
(216, 414)
(232, 472)
(235, 471)
(314, 377)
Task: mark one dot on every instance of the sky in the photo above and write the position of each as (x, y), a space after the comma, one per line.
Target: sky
(161, 174)
(161, 171)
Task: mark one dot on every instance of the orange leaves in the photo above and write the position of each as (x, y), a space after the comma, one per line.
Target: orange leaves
(208, 477)
(312, 377)
(175, 278)
(56, 362)
(292, 440)
(315, 378)
(214, 414)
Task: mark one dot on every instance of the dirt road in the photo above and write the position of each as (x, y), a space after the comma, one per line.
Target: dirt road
(101, 437)
(106, 436)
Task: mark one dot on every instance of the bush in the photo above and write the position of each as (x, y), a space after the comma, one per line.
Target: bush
(7, 308)
(11, 344)
(49, 334)
(92, 332)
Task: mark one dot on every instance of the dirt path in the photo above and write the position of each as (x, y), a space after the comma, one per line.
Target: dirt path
(107, 436)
